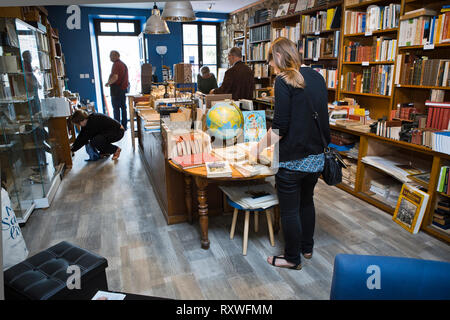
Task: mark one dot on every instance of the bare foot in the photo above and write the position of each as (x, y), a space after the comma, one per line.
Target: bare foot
(280, 262)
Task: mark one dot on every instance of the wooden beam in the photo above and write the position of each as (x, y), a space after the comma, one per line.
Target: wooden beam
(248, 6)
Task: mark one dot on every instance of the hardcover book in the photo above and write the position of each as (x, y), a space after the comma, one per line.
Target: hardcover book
(410, 209)
(282, 10)
(218, 169)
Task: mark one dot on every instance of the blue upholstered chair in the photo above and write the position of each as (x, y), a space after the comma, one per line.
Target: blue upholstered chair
(359, 277)
(237, 207)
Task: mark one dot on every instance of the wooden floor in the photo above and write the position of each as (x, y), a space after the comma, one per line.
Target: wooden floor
(110, 208)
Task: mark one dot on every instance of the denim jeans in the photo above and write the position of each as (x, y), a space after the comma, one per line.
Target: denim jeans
(120, 108)
(295, 195)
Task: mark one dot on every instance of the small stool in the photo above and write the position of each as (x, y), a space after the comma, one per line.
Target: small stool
(246, 224)
(44, 275)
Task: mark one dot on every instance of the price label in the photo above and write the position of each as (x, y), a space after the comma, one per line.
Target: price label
(365, 63)
(316, 59)
(428, 46)
(317, 33)
(368, 33)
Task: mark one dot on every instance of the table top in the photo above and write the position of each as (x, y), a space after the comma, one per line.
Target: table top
(201, 172)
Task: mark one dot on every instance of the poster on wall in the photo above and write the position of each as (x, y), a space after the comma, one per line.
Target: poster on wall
(254, 125)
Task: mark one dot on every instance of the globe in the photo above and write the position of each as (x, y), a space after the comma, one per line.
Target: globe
(224, 120)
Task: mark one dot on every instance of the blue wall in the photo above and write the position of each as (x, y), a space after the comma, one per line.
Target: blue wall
(77, 47)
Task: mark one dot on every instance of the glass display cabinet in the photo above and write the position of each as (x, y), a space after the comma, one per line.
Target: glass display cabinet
(29, 173)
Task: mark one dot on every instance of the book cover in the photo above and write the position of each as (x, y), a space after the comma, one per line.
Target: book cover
(254, 125)
(193, 160)
(282, 10)
(442, 178)
(292, 6)
(410, 209)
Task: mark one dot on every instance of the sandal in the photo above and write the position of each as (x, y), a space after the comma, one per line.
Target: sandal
(295, 267)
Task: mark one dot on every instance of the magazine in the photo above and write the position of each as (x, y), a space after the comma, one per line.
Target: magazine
(411, 206)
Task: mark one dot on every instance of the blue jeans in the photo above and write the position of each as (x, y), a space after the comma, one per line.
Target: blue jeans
(295, 196)
(120, 108)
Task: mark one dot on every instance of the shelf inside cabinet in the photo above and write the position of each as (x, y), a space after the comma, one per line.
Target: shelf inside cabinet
(421, 87)
(367, 94)
(365, 4)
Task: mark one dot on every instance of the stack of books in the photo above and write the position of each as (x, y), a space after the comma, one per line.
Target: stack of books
(260, 196)
(259, 51)
(319, 47)
(260, 33)
(389, 129)
(218, 169)
(441, 216)
(375, 18)
(349, 173)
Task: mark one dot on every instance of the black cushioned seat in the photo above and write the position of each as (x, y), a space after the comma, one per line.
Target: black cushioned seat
(44, 275)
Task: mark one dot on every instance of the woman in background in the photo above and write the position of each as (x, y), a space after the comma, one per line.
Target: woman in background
(206, 81)
(300, 92)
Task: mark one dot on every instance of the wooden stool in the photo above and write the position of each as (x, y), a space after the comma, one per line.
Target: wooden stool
(246, 224)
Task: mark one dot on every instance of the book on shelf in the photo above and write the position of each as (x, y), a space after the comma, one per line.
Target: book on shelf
(329, 75)
(290, 32)
(398, 168)
(424, 26)
(261, 70)
(422, 71)
(389, 129)
(441, 141)
(218, 169)
(259, 51)
(373, 19)
(374, 80)
(317, 47)
(292, 6)
(438, 115)
(441, 215)
(381, 49)
(410, 208)
(301, 5)
(282, 10)
(261, 33)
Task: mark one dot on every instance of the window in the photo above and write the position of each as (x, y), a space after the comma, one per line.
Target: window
(200, 46)
(117, 27)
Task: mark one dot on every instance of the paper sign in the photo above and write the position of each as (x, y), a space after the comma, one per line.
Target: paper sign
(368, 33)
(428, 46)
(317, 33)
(316, 59)
(365, 63)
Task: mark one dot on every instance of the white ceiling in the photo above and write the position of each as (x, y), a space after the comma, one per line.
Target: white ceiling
(218, 6)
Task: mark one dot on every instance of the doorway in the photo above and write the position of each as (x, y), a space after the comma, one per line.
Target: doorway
(121, 36)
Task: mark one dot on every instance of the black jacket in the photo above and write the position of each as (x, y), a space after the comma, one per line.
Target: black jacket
(97, 124)
(239, 81)
(293, 116)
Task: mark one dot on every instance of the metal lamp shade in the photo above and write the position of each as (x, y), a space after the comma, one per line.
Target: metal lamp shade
(178, 11)
(155, 25)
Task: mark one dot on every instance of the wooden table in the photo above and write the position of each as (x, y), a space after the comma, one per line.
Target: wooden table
(199, 175)
(132, 98)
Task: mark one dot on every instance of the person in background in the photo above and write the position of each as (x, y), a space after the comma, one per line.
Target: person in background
(118, 81)
(298, 91)
(206, 81)
(239, 80)
(99, 130)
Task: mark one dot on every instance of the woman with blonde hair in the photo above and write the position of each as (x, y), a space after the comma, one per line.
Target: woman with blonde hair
(300, 96)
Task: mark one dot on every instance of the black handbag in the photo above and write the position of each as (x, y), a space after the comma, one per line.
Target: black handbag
(332, 170)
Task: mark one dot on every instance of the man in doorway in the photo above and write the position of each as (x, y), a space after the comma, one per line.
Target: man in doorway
(239, 80)
(118, 81)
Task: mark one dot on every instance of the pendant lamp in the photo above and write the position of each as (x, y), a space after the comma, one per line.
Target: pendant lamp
(154, 24)
(178, 11)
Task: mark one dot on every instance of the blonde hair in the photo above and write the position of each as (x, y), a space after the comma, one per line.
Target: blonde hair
(287, 58)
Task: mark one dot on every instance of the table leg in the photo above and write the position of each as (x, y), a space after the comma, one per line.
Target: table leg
(131, 112)
(202, 185)
(188, 196)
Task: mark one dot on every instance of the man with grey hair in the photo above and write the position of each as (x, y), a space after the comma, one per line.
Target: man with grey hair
(118, 81)
(239, 80)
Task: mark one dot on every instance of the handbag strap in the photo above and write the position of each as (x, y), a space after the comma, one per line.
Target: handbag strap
(316, 119)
